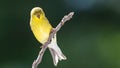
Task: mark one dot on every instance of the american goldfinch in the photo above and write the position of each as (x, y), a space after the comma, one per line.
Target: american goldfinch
(41, 29)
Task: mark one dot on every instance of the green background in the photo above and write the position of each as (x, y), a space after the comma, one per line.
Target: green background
(91, 39)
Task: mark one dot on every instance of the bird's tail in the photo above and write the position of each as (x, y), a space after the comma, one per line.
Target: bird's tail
(56, 51)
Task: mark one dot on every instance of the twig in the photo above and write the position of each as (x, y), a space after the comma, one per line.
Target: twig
(54, 31)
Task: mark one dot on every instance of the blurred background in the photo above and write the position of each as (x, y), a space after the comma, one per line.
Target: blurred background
(91, 39)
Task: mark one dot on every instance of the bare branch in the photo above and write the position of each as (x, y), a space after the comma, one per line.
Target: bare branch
(54, 31)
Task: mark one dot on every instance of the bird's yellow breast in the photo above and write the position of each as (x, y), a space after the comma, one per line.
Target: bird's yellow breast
(41, 28)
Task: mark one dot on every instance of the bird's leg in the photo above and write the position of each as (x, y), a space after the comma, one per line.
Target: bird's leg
(52, 30)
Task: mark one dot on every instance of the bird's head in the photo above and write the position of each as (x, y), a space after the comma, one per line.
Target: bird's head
(37, 12)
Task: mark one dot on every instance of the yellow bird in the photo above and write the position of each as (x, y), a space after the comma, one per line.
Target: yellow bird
(41, 29)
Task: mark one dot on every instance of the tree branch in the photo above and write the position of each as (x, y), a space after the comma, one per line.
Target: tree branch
(54, 31)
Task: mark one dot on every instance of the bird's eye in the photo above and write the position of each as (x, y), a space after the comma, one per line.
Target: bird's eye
(37, 14)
